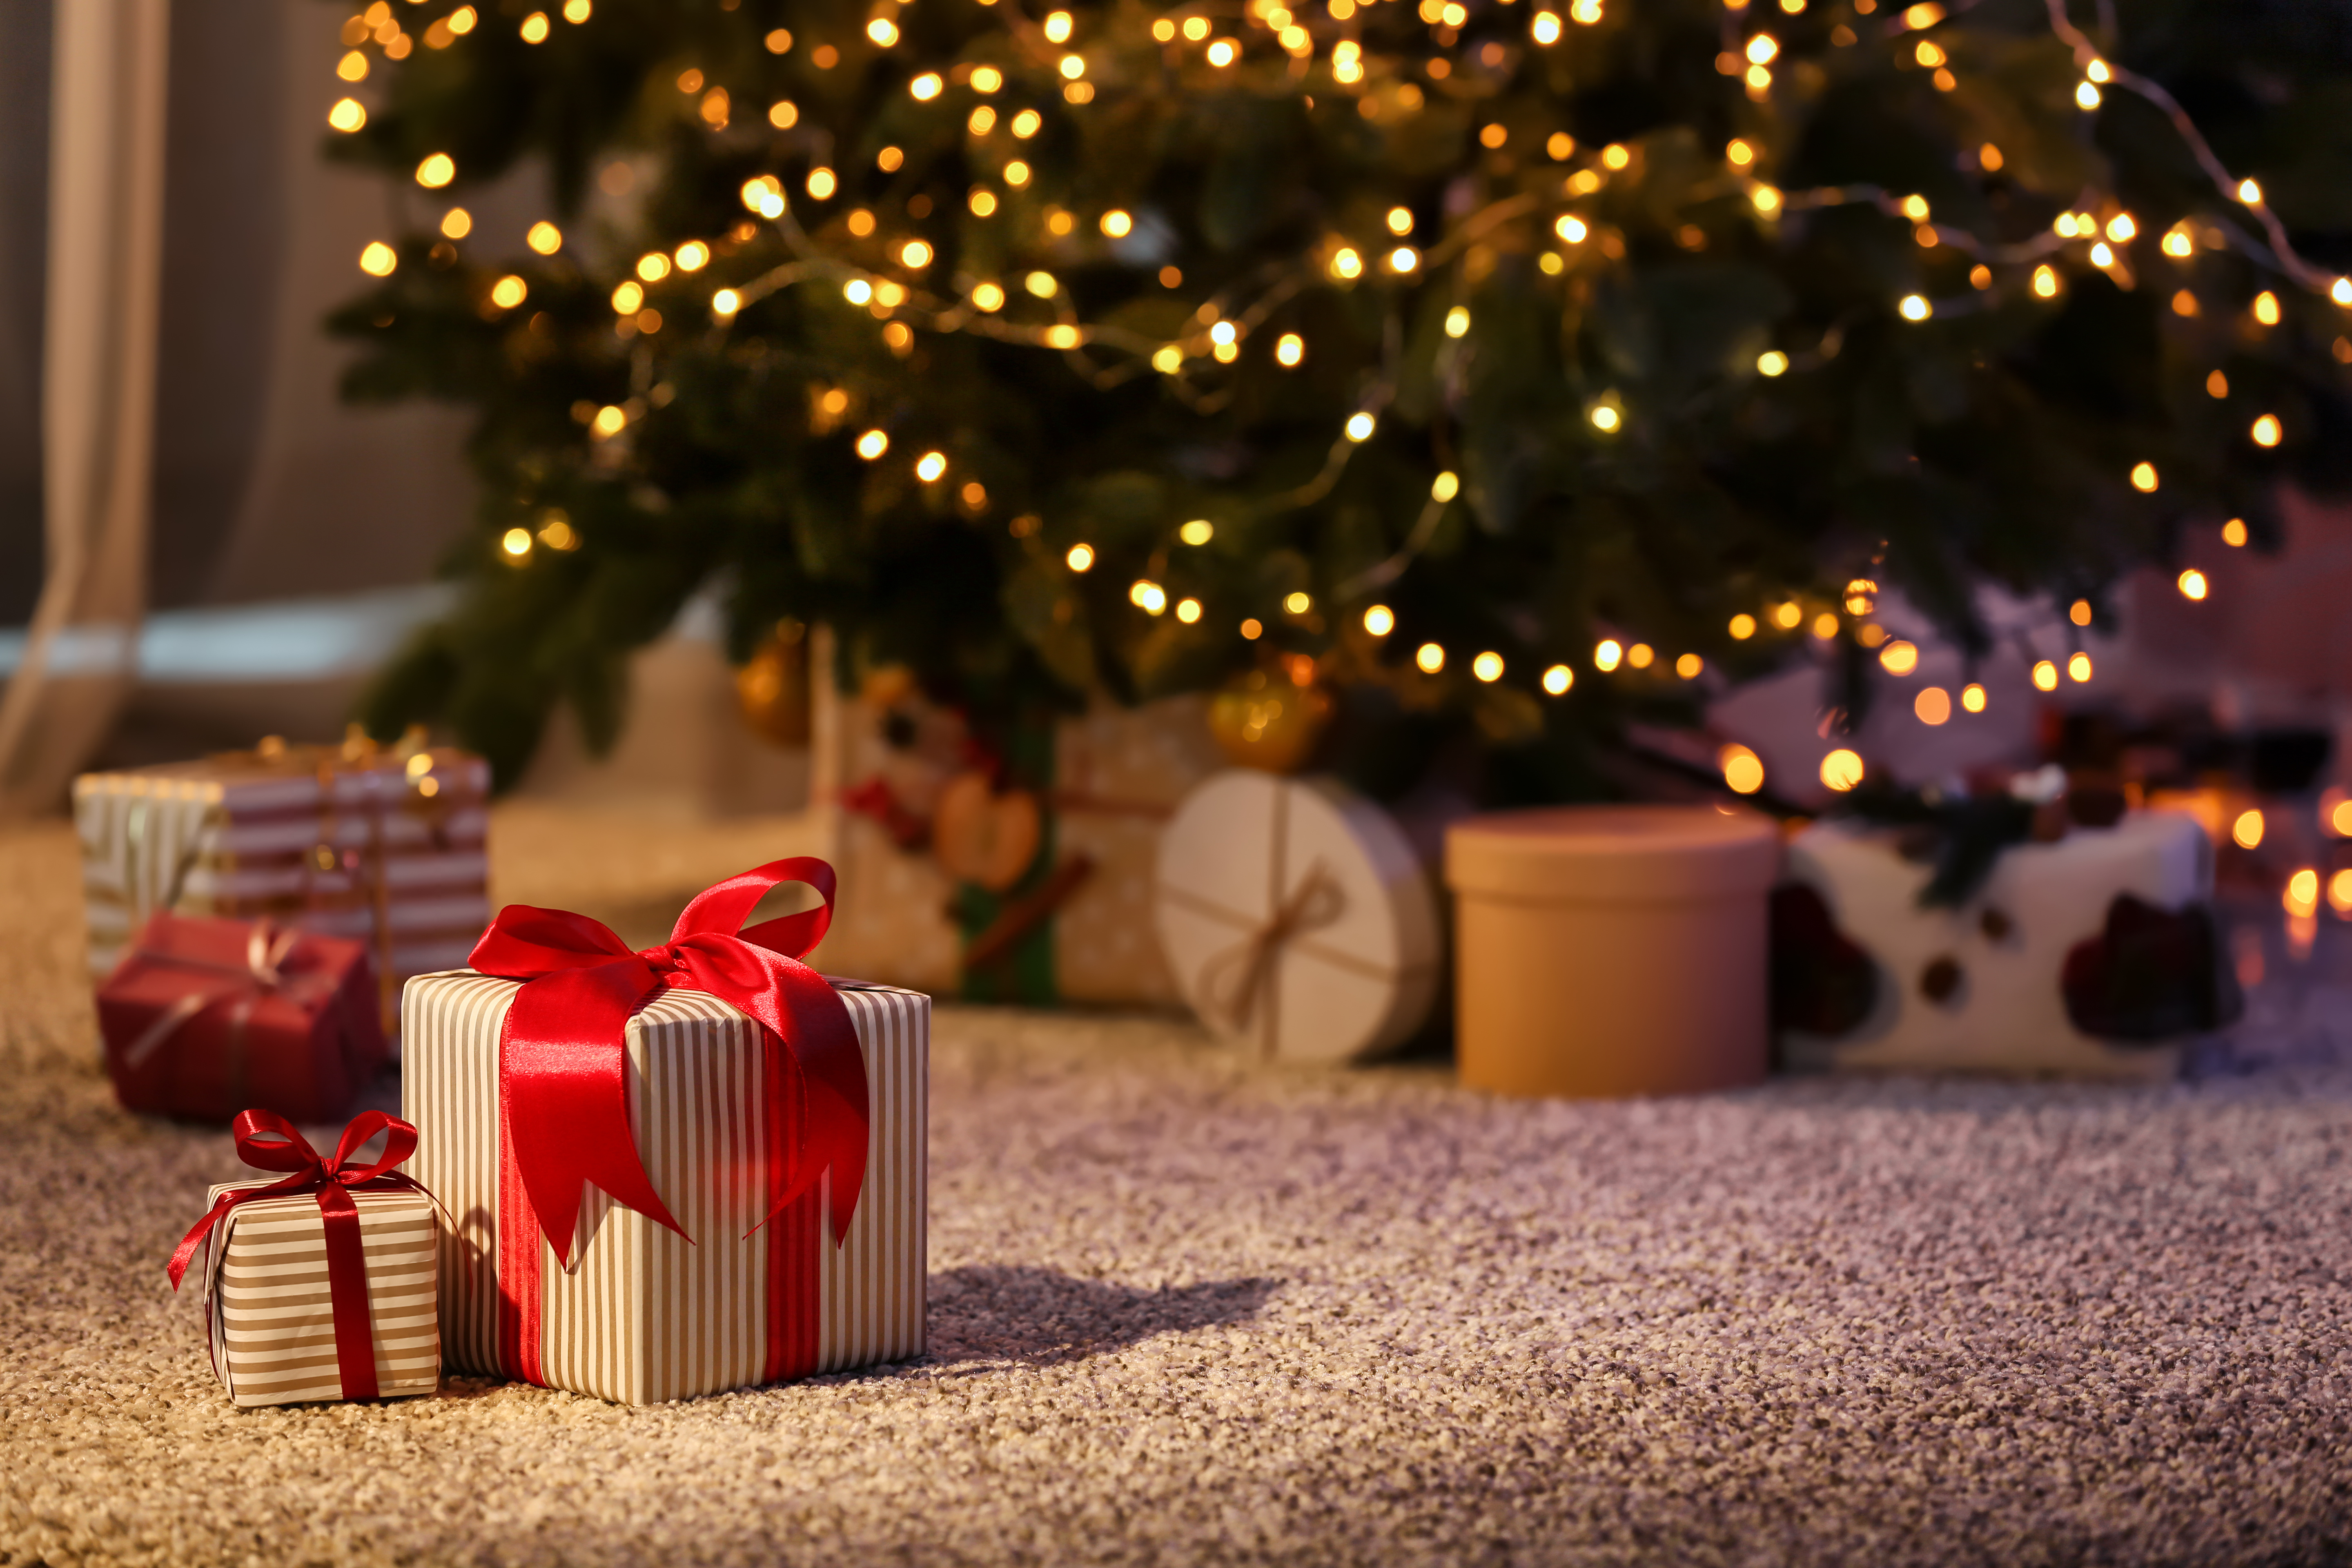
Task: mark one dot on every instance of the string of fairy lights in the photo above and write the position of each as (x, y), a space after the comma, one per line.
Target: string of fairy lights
(1322, 54)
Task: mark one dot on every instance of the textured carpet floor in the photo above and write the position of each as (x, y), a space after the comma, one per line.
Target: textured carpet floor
(1187, 1309)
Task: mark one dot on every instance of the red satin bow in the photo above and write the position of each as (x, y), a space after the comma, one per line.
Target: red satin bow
(562, 1059)
(333, 1179)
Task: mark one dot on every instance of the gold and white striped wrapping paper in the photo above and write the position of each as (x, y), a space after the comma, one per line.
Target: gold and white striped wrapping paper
(642, 1316)
(236, 841)
(267, 1309)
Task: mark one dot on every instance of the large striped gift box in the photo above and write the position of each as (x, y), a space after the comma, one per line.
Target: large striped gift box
(384, 845)
(267, 1311)
(643, 1315)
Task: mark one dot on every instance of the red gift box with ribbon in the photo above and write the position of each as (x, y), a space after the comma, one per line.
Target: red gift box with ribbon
(694, 1167)
(203, 1017)
(319, 1285)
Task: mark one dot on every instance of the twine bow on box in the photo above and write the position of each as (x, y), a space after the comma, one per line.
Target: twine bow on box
(1235, 982)
(268, 1141)
(266, 949)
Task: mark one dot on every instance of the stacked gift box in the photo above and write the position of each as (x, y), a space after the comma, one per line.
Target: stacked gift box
(382, 845)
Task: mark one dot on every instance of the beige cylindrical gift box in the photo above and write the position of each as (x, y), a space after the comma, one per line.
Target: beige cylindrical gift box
(1611, 949)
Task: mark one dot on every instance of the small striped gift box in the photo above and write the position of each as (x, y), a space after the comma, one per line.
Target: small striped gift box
(385, 846)
(267, 1308)
(643, 1315)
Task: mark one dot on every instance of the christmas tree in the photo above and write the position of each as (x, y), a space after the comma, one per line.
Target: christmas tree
(1529, 370)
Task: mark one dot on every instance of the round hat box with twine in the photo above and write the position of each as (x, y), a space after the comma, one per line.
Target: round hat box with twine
(1296, 918)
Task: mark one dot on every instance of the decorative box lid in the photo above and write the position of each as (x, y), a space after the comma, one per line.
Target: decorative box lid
(1577, 854)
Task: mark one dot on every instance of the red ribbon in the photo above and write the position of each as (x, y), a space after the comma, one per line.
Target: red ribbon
(564, 1107)
(333, 1180)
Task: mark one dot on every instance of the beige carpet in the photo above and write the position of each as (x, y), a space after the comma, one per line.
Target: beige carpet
(1186, 1310)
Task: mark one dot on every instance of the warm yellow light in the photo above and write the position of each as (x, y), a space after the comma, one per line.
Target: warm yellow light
(653, 267)
(1689, 666)
(1571, 229)
(783, 114)
(1604, 419)
(914, 254)
(577, 11)
(982, 201)
(608, 422)
(535, 28)
(1761, 49)
(378, 260)
(1771, 362)
(2250, 193)
(1057, 27)
(1608, 654)
(1933, 705)
(347, 115)
(2045, 676)
(926, 87)
(930, 466)
(1062, 336)
(508, 292)
(1080, 557)
(1073, 66)
(2184, 303)
(821, 183)
(1346, 263)
(2193, 584)
(1743, 770)
(1146, 595)
(1615, 155)
(1740, 154)
(1428, 657)
(882, 32)
(2341, 290)
(2266, 308)
(1972, 697)
(2234, 533)
(858, 291)
(2079, 612)
(1545, 27)
(1457, 321)
(1930, 57)
(1842, 770)
(1445, 487)
(1558, 679)
(2178, 245)
(1825, 625)
(1487, 667)
(1025, 125)
(1168, 358)
(1899, 658)
(1298, 604)
(2143, 476)
(1915, 308)
(1359, 427)
(462, 20)
(1404, 259)
(1223, 52)
(2078, 667)
(1251, 630)
(873, 444)
(1289, 349)
(1041, 284)
(2120, 228)
(516, 542)
(628, 299)
(2340, 892)
(1766, 200)
(437, 170)
(1379, 620)
(1915, 208)
(2086, 95)
(2247, 830)
(1399, 220)
(1117, 223)
(2266, 430)
(1188, 610)
(1743, 627)
(726, 303)
(1016, 173)
(2046, 280)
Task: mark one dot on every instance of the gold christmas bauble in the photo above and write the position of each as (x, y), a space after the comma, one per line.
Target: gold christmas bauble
(772, 687)
(1270, 719)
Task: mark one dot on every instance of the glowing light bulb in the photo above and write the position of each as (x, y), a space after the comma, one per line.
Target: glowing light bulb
(2078, 668)
(1571, 229)
(2178, 245)
(930, 466)
(1445, 487)
(1188, 610)
(1743, 627)
(1080, 557)
(2045, 676)
(872, 445)
(821, 183)
(882, 32)
(1298, 604)
(2086, 95)
(1761, 49)
(1558, 679)
(1198, 532)
(1771, 362)
(2266, 308)
(2250, 193)
(535, 28)
(1544, 28)
(1972, 697)
(2046, 280)
(1428, 657)
(2120, 228)
(2143, 477)
(437, 170)
(1933, 705)
(1605, 418)
(1379, 620)
(348, 114)
(988, 296)
(508, 292)
(1289, 350)
(914, 254)
(2234, 533)
(1689, 666)
(516, 542)
(1146, 595)
(1842, 770)
(2192, 584)
(1915, 308)
(1346, 263)
(2266, 431)
(858, 291)
(2247, 830)
(1058, 27)
(1399, 220)
(1404, 259)
(1739, 154)
(1743, 770)
(1041, 284)
(1487, 667)
(1899, 658)
(1026, 124)
(378, 260)
(2079, 612)
(1359, 427)
(1457, 321)
(1117, 223)
(926, 87)
(1787, 616)
(726, 303)
(1073, 66)
(693, 255)
(629, 297)
(1608, 654)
